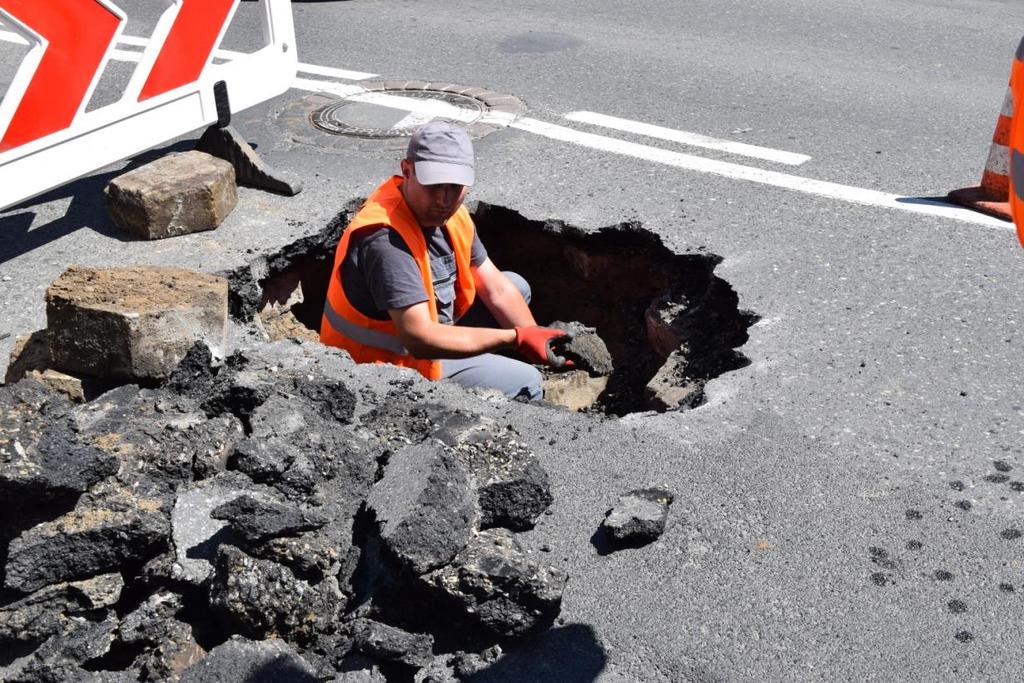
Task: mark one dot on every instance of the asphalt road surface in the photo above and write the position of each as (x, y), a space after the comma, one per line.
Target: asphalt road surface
(819, 529)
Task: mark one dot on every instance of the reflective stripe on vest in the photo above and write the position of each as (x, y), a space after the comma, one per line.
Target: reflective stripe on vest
(363, 335)
(369, 340)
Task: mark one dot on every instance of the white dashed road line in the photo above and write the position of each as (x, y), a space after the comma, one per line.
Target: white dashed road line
(423, 109)
(846, 193)
(691, 139)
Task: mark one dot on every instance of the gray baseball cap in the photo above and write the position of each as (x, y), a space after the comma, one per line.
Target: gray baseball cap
(442, 153)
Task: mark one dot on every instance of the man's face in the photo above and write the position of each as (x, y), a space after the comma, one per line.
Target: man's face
(432, 205)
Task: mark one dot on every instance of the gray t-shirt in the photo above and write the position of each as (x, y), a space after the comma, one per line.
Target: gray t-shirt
(379, 272)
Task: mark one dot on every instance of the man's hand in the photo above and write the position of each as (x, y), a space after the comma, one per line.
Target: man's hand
(534, 343)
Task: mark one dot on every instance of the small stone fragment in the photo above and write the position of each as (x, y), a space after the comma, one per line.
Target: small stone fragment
(285, 325)
(671, 388)
(30, 352)
(133, 323)
(258, 521)
(245, 661)
(169, 646)
(45, 613)
(638, 517)
(144, 624)
(470, 663)
(178, 194)
(357, 668)
(60, 658)
(390, 643)
(276, 316)
(77, 388)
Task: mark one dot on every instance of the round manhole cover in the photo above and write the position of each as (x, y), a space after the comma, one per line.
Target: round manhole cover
(387, 110)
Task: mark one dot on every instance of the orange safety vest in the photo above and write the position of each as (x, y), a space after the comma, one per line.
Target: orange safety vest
(1017, 143)
(376, 341)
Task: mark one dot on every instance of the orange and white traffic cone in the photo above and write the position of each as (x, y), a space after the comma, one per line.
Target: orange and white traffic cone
(993, 195)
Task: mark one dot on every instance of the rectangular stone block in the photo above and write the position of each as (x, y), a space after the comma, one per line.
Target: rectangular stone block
(178, 194)
(133, 323)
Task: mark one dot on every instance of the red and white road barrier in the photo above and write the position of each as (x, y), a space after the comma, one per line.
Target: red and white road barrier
(47, 137)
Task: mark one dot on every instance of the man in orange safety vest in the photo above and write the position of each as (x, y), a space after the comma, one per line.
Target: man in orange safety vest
(412, 285)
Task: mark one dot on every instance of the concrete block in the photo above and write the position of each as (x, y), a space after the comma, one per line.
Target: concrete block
(176, 195)
(133, 323)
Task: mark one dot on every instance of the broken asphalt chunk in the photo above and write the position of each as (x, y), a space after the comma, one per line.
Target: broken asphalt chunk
(424, 506)
(512, 488)
(40, 457)
(586, 349)
(107, 529)
(240, 660)
(492, 586)
(259, 598)
(638, 517)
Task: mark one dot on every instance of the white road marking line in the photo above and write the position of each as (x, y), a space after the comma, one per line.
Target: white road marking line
(847, 193)
(692, 139)
(331, 72)
(419, 110)
(339, 89)
(413, 119)
(136, 41)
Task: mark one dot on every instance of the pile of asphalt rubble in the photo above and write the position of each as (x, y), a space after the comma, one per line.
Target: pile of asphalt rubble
(264, 515)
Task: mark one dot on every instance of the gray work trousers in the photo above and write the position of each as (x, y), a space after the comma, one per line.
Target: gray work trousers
(489, 370)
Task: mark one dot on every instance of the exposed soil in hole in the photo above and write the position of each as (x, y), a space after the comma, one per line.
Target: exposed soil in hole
(664, 316)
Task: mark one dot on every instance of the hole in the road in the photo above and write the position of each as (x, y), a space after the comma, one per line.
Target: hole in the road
(669, 323)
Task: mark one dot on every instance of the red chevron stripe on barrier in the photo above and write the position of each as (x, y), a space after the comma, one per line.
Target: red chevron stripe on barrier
(69, 65)
(189, 45)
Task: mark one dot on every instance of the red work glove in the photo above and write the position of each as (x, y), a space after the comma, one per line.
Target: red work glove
(534, 343)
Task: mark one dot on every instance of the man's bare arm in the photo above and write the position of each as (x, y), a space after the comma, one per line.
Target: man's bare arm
(502, 298)
(425, 338)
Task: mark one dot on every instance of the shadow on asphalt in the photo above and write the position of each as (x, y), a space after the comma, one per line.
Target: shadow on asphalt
(606, 545)
(568, 654)
(86, 209)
